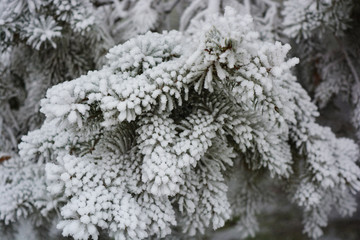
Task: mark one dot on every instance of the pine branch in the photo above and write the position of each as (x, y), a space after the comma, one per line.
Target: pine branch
(348, 60)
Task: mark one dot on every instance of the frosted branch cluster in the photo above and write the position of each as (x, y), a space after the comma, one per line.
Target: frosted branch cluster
(149, 142)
